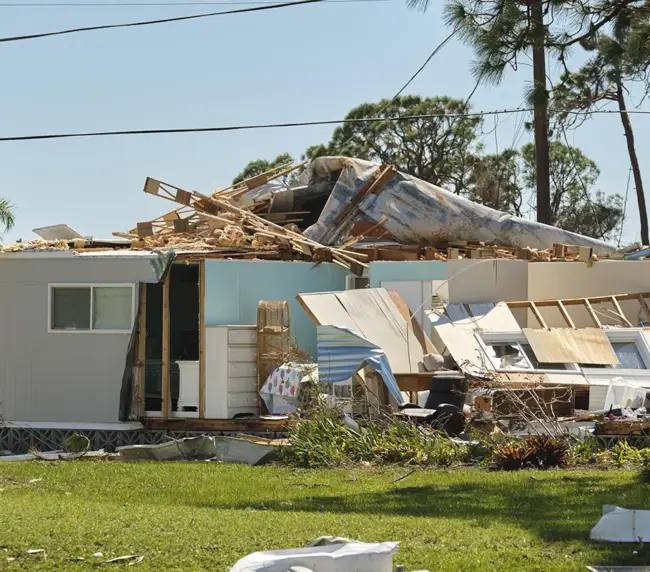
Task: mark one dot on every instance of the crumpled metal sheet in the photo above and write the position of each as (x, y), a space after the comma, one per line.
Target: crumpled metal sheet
(419, 212)
(250, 451)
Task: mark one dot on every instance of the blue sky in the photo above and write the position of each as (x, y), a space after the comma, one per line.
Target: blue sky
(297, 64)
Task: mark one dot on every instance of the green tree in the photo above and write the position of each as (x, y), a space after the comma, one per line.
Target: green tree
(573, 206)
(617, 61)
(503, 31)
(7, 217)
(495, 181)
(437, 149)
(260, 166)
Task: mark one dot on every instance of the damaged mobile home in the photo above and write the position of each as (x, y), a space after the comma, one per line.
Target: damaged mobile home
(179, 325)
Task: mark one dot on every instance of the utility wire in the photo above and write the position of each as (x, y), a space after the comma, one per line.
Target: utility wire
(403, 88)
(159, 21)
(280, 125)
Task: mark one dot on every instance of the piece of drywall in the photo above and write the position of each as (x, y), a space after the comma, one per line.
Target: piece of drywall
(406, 271)
(487, 280)
(416, 294)
(234, 288)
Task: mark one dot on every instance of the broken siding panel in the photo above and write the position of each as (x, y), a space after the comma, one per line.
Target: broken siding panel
(461, 343)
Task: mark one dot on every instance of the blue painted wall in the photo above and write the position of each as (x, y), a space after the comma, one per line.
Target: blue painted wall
(405, 271)
(234, 288)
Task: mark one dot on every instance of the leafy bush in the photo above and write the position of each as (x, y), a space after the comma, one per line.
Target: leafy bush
(623, 454)
(584, 450)
(323, 440)
(535, 452)
(547, 452)
(511, 457)
(645, 469)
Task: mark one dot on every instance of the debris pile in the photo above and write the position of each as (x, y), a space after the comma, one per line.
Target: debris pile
(226, 225)
(36, 244)
(341, 210)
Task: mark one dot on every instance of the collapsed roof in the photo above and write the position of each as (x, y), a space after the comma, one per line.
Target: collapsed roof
(332, 212)
(416, 212)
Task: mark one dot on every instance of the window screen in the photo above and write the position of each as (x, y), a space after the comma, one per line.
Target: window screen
(112, 308)
(70, 308)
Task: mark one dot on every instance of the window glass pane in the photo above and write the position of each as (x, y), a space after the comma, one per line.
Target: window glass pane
(71, 308)
(112, 308)
(507, 356)
(629, 355)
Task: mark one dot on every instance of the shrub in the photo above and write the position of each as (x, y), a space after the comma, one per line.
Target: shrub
(623, 454)
(547, 452)
(645, 469)
(511, 457)
(323, 440)
(536, 452)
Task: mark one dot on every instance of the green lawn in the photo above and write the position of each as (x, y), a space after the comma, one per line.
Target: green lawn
(205, 516)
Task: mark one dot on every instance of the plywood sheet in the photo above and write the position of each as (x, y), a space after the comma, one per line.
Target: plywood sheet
(564, 345)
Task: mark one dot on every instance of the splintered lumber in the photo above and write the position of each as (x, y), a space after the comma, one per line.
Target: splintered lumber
(218, 223)
(351, 257)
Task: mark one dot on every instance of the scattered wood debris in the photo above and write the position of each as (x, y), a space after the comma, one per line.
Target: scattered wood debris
(247, 221)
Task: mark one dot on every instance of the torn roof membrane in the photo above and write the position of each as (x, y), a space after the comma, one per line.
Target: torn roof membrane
(418, 212)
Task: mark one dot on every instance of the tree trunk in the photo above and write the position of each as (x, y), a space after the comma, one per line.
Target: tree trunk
(541, 115)
(636, 171)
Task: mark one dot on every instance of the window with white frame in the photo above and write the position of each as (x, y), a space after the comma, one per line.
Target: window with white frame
(104, 308)
(631, 349)
(511, 351)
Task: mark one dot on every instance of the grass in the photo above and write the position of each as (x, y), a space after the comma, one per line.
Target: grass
(204, 516)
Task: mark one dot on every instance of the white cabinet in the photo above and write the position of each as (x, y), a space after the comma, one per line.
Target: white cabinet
(188, 388)
(230, 371)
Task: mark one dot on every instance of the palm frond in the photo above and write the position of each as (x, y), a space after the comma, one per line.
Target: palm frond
(7, 217)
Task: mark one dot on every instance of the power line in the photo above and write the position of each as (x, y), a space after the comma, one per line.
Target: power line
(424, 65)
(283, 125)
(159, 4)
(403, 88)
(159, 21)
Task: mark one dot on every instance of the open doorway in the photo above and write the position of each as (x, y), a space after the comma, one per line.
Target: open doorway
(184, 312)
